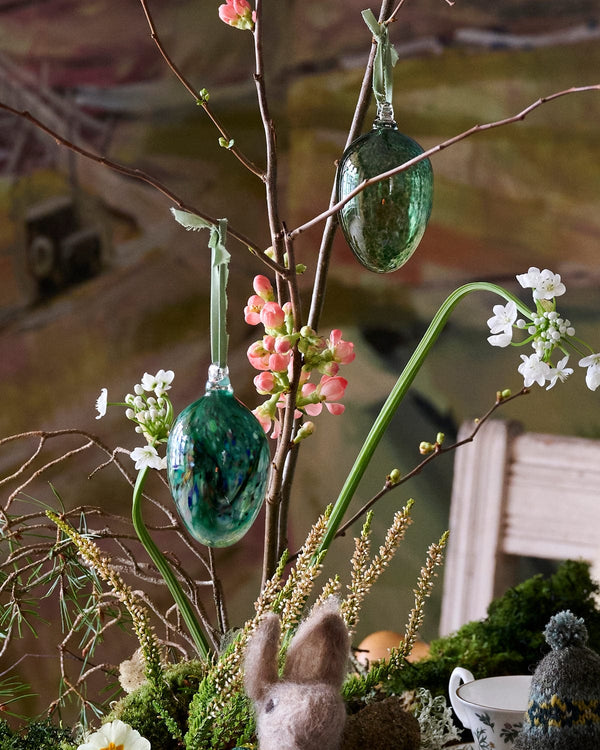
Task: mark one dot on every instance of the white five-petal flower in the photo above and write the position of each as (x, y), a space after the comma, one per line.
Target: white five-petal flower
(148, 457)
(534, 370)
(159, 383)
(560, 372)
(501, 324)
(549, 286)
(592, 376)
(102, 403)
(115, 735)
(545, 284)
(503, 318)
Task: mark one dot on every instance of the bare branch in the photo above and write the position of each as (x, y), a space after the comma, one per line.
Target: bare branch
(140, 175)
(438, 451)
(200, 101)
(436, 149)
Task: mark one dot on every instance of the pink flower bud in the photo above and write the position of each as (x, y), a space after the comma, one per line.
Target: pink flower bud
(265, 382)
(332, 388)
(272, 316)
(262, 286)
(343, 351)
(282, 345)
(329, 368)
(237, 13)
(307, 389)
(252, 310)
(258, 356)
(279, 362)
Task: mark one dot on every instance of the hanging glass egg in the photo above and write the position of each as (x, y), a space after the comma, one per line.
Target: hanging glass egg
(384, 223)
(217, 464)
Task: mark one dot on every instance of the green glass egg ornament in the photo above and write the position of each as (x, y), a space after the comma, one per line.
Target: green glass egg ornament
(384, 223)
(217, 464)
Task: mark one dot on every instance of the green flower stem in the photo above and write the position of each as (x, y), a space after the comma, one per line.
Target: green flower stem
(397, 394)
(157, 557)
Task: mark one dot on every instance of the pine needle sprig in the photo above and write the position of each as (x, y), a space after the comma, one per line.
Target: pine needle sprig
(149, 644)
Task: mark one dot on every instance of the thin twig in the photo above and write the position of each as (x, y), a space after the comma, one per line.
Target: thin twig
(439, 449)
(140, 175)
(200, 101)
(436, 149)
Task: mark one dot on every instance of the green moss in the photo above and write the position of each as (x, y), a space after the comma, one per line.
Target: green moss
(510, 639)
(137, 709)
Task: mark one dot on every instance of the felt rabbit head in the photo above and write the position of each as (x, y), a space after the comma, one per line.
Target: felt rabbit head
(302, 710)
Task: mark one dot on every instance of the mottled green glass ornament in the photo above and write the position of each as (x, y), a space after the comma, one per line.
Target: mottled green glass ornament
(217, 464)
(384, 223)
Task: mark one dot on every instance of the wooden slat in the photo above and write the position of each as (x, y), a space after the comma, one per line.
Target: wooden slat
(516, 494)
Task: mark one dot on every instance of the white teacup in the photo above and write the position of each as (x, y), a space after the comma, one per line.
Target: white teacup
(492, 708)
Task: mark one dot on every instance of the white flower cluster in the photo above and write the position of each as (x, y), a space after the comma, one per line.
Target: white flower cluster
(152, 414)
(151, 410)
(547, 331)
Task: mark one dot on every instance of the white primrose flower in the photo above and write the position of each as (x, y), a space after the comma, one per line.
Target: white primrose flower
(592, 376)
(534, 370)
(501, 324)
(148, 457)
(159, 383)
(102, 403)
(116, 735)
(545, 284)
(560, 372)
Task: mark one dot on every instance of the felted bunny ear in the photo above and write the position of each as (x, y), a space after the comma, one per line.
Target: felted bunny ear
(260, 664)
(320, 648)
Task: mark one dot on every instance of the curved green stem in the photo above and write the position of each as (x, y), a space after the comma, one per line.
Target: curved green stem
(157, 557)
(397, 394)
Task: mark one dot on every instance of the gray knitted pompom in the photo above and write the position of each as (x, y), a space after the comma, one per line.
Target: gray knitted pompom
(565, 629)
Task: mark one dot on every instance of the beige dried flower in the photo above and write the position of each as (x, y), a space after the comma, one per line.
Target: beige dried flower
(132, 674)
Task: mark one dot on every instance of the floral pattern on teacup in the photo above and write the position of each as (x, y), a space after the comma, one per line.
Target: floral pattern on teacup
(485, 737)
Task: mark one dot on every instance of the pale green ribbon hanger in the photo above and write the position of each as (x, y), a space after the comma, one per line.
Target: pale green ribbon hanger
(385, 59)
(219, 273)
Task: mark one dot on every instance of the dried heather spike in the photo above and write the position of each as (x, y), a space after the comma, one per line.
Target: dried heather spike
(435, 555)
(364, 575)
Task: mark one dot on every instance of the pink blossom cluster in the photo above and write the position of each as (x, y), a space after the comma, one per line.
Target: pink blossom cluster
(274, 356)
(238, 13)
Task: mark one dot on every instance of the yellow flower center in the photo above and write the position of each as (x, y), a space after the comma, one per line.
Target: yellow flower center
(112, 746)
